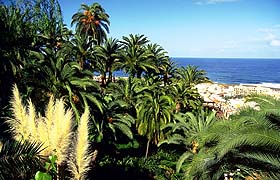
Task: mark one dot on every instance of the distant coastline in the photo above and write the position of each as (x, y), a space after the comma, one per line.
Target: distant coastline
(236, 70)
(248, 58)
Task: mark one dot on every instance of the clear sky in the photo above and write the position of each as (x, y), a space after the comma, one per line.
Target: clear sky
(196, 28)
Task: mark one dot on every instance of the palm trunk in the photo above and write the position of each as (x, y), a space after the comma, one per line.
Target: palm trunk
(81, 63)
(110, 76)
(103, 80)
(165, 79)
(147, 149)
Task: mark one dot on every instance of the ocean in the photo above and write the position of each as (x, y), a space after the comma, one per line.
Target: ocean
(237, 71)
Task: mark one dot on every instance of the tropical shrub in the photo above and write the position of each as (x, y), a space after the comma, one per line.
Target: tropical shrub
(247, 142)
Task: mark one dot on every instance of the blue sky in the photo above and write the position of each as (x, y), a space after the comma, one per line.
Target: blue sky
(196, 28)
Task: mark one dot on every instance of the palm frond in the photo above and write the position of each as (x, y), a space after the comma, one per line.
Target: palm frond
(19, 158)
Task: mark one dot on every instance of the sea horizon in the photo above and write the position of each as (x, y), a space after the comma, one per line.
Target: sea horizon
(254, 58)
(236, 70)
(255, 71)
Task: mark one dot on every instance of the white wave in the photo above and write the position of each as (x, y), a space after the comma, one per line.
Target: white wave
(271, 85)
(268, 85)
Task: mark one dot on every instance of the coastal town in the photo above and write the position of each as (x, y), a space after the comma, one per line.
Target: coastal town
(229, 98)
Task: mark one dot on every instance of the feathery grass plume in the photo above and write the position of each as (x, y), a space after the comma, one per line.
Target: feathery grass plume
(49, 115)
(19, 124)
(32, 125)
(43, 136)
(54, 130)
(59, 125)
(80, 156)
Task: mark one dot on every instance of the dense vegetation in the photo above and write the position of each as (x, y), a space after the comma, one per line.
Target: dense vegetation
(58, 121)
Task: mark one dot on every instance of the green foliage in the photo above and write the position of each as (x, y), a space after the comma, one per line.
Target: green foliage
(187, 132)
(249, 141)
(16, 38)
(154, 110)
(191, 75)
(42, 176)
(47, 59)
(19, 160)
(50, 168)
(160, 165)
(186, 97)
(61, 77)
(136, 58)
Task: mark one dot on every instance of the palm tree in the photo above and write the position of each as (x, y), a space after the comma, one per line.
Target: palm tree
(135, 56)
(191, 75)
(117, 116)
(61, 77)
(109, 59)
(92, 21)
(80, 48)
(154, 110)
(158, 55)
(186, 98)
(50, 27)
(245, 144)
(168, 70)
(187, 131)
(127, 90)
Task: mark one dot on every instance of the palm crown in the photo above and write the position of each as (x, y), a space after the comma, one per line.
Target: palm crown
(92, 21)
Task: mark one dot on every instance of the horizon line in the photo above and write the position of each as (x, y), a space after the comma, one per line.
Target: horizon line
(225, 57)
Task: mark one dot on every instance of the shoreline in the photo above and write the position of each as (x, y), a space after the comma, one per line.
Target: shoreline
(229, 98)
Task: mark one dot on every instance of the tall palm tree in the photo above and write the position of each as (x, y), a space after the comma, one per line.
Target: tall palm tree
(167, 69)
(92, 21)
(135, 56)
(154, 110)
(109, 59)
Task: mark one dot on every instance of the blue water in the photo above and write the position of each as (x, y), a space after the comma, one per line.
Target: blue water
(236, 71)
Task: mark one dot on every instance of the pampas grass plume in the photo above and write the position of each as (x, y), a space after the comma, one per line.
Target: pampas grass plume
(80, 155)
(54, 130)
(59, 127)
(19, 124)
